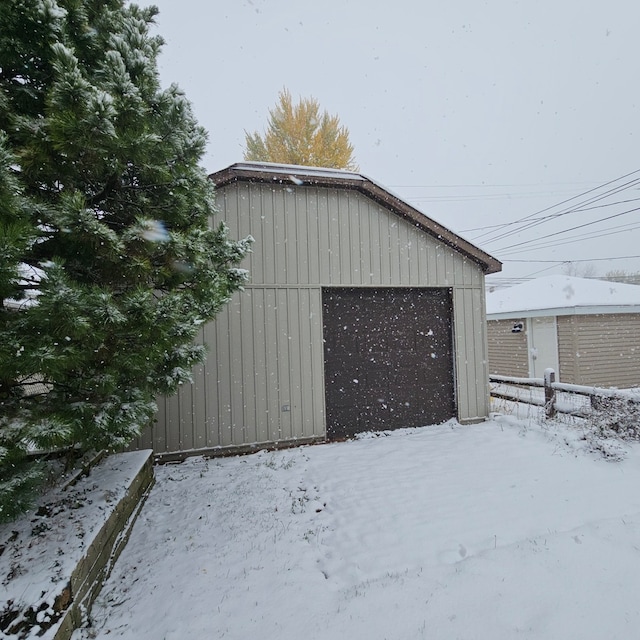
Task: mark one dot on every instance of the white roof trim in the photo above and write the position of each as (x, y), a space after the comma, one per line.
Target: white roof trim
(298, 170)
(565, 311)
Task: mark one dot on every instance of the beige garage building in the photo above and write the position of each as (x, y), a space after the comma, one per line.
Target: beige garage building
(586, 330)
(360, 314)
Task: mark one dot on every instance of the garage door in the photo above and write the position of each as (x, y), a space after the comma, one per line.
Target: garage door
(388, 359)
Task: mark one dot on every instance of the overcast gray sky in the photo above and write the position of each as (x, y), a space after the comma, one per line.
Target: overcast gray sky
(477, 113)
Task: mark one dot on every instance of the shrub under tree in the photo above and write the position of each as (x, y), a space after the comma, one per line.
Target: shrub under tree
(108, 265)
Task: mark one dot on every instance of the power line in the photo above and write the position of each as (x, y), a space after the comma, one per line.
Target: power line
(608, 204)
(467, 197)
(537, 221)
(499, 226)
(591, 200)
(531, 221)
(580, 226)
(561, 243)
(483, 185)
(552, 216)
(579, 260)
(583, 236)
(535, 273)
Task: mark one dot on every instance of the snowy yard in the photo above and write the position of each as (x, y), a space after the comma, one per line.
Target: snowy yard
(493, 531)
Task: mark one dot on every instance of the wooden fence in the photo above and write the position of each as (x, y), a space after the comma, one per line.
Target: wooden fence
(552, 394)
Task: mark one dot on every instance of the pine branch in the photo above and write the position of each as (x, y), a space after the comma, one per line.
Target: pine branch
(113, 322)
(112, 183)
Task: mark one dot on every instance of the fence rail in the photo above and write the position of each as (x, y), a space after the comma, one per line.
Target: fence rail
(550, 398)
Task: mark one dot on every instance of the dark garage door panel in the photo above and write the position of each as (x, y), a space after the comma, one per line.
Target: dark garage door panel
(388, 359)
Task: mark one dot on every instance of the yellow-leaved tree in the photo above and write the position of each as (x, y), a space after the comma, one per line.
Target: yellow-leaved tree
(300, 134)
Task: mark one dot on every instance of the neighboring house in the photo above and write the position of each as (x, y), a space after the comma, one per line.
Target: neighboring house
(587, 330)
(360, 314)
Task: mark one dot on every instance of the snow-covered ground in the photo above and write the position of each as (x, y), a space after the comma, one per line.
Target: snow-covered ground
(499, 530)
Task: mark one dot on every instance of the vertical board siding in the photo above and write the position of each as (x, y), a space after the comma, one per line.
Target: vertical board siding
(606, 349)
(508, 352)
(265, 348)
(405, 256)
(223, 378)
(247, 350)
(365, 244)
(349, 253)
(323, 236)
(285, 354)
(257, 373)
(262, 382)
(471, 362)
(197, 439)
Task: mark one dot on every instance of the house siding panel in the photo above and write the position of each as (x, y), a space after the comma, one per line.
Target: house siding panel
(358, 241)
(269, 391)
(470, 348)
(607, 350)
(567, 350)
(508, 354)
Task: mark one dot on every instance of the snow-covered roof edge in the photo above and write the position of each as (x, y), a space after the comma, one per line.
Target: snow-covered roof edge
(295, 175)
(561, 296)
(564, 311)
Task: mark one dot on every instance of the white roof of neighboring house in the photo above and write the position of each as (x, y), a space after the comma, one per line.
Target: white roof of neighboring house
(561, 296)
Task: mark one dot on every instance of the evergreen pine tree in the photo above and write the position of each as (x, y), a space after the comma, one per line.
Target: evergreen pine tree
(300, 134)
(108, 265)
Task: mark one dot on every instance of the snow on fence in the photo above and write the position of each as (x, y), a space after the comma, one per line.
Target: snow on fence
(573, 399)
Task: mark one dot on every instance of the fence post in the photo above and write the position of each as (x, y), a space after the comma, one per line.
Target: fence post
(549, 393)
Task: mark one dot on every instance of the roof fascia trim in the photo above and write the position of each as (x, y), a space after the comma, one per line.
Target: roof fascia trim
(305, 176)
(587, 310)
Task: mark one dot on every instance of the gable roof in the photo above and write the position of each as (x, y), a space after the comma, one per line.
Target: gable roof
(266, 172)
(563, 295)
